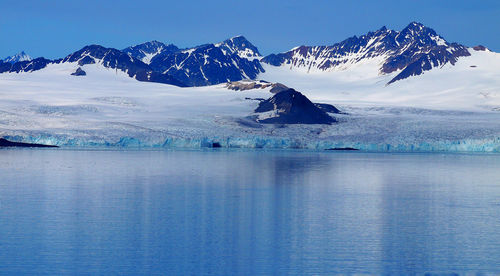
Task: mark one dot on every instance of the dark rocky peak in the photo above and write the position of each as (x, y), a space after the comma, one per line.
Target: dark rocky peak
(206, 64)
(79, 72)
(278, 87)
(116, 59)
(415, 27)
(91, 53)
(146, 51)
(25, 66)
(148, 47)
(421, 35)
(291, 107)
(241, 46)
(108, 57)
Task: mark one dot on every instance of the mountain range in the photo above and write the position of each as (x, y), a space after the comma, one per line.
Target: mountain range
(400, 54)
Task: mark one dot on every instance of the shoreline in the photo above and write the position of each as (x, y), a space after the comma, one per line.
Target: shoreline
(486, 146)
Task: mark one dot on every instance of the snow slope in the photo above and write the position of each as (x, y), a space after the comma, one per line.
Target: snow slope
(451, 109)
(473, 83)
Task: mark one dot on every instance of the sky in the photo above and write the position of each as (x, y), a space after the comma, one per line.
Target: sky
(56, 28)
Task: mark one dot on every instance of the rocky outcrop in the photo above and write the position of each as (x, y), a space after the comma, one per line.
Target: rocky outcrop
(260, 84)
(79, 72)
(247, 85)
(291, 107)
(479, 48)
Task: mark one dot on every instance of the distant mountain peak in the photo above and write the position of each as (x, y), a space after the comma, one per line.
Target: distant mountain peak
(383, 29)
(415, 24)
(119, 60)
(22, 56)
(416, 29)
(230, 60)
(411, 51)
(241, 46)
(148, 50)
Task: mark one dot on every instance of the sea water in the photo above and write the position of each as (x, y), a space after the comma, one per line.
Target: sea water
(219, 212)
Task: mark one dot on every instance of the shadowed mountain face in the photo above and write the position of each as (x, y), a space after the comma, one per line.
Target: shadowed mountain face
(411, 51)
(147, 51)
(116, 59)
(24, 66)
(231, 60)
(79, 72)
(291, 107)
(241, 46)
(206, 65)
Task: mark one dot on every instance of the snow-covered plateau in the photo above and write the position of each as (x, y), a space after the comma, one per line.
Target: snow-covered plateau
(451, 108)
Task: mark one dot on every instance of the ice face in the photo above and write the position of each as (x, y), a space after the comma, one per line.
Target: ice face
(466, 145)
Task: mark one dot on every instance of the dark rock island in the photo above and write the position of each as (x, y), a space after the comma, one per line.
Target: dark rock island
(79, 72)
(291, 107)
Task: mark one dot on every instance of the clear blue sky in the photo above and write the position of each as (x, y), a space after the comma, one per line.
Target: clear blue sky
(55, 28)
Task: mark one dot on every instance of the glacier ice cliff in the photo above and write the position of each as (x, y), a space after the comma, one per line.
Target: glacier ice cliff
(262, 142)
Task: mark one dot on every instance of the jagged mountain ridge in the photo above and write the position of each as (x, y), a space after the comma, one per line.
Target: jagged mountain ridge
(92, 54)
(230, 60)
(148, 50)
(24, 66)
(211, 63)
(241, 46)
(405, 53)
(207, 64)
(116, 59)
(411, 51)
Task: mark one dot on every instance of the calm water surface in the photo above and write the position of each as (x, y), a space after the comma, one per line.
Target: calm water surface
(247, 212)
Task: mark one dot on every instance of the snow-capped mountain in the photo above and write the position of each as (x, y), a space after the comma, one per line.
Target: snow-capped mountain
(22, 56)
(231, 60)
(409, 52)
(241, 46)
(24, 66)
(391, 55)
(211, 63)
(116, 59)
(147, 51)
(92, 96)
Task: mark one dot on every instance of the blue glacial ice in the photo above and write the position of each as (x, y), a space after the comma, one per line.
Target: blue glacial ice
(256, 142)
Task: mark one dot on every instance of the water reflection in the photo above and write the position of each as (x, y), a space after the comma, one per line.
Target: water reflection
(247, 213)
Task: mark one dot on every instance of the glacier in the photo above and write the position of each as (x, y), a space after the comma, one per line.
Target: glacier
(453, 109)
